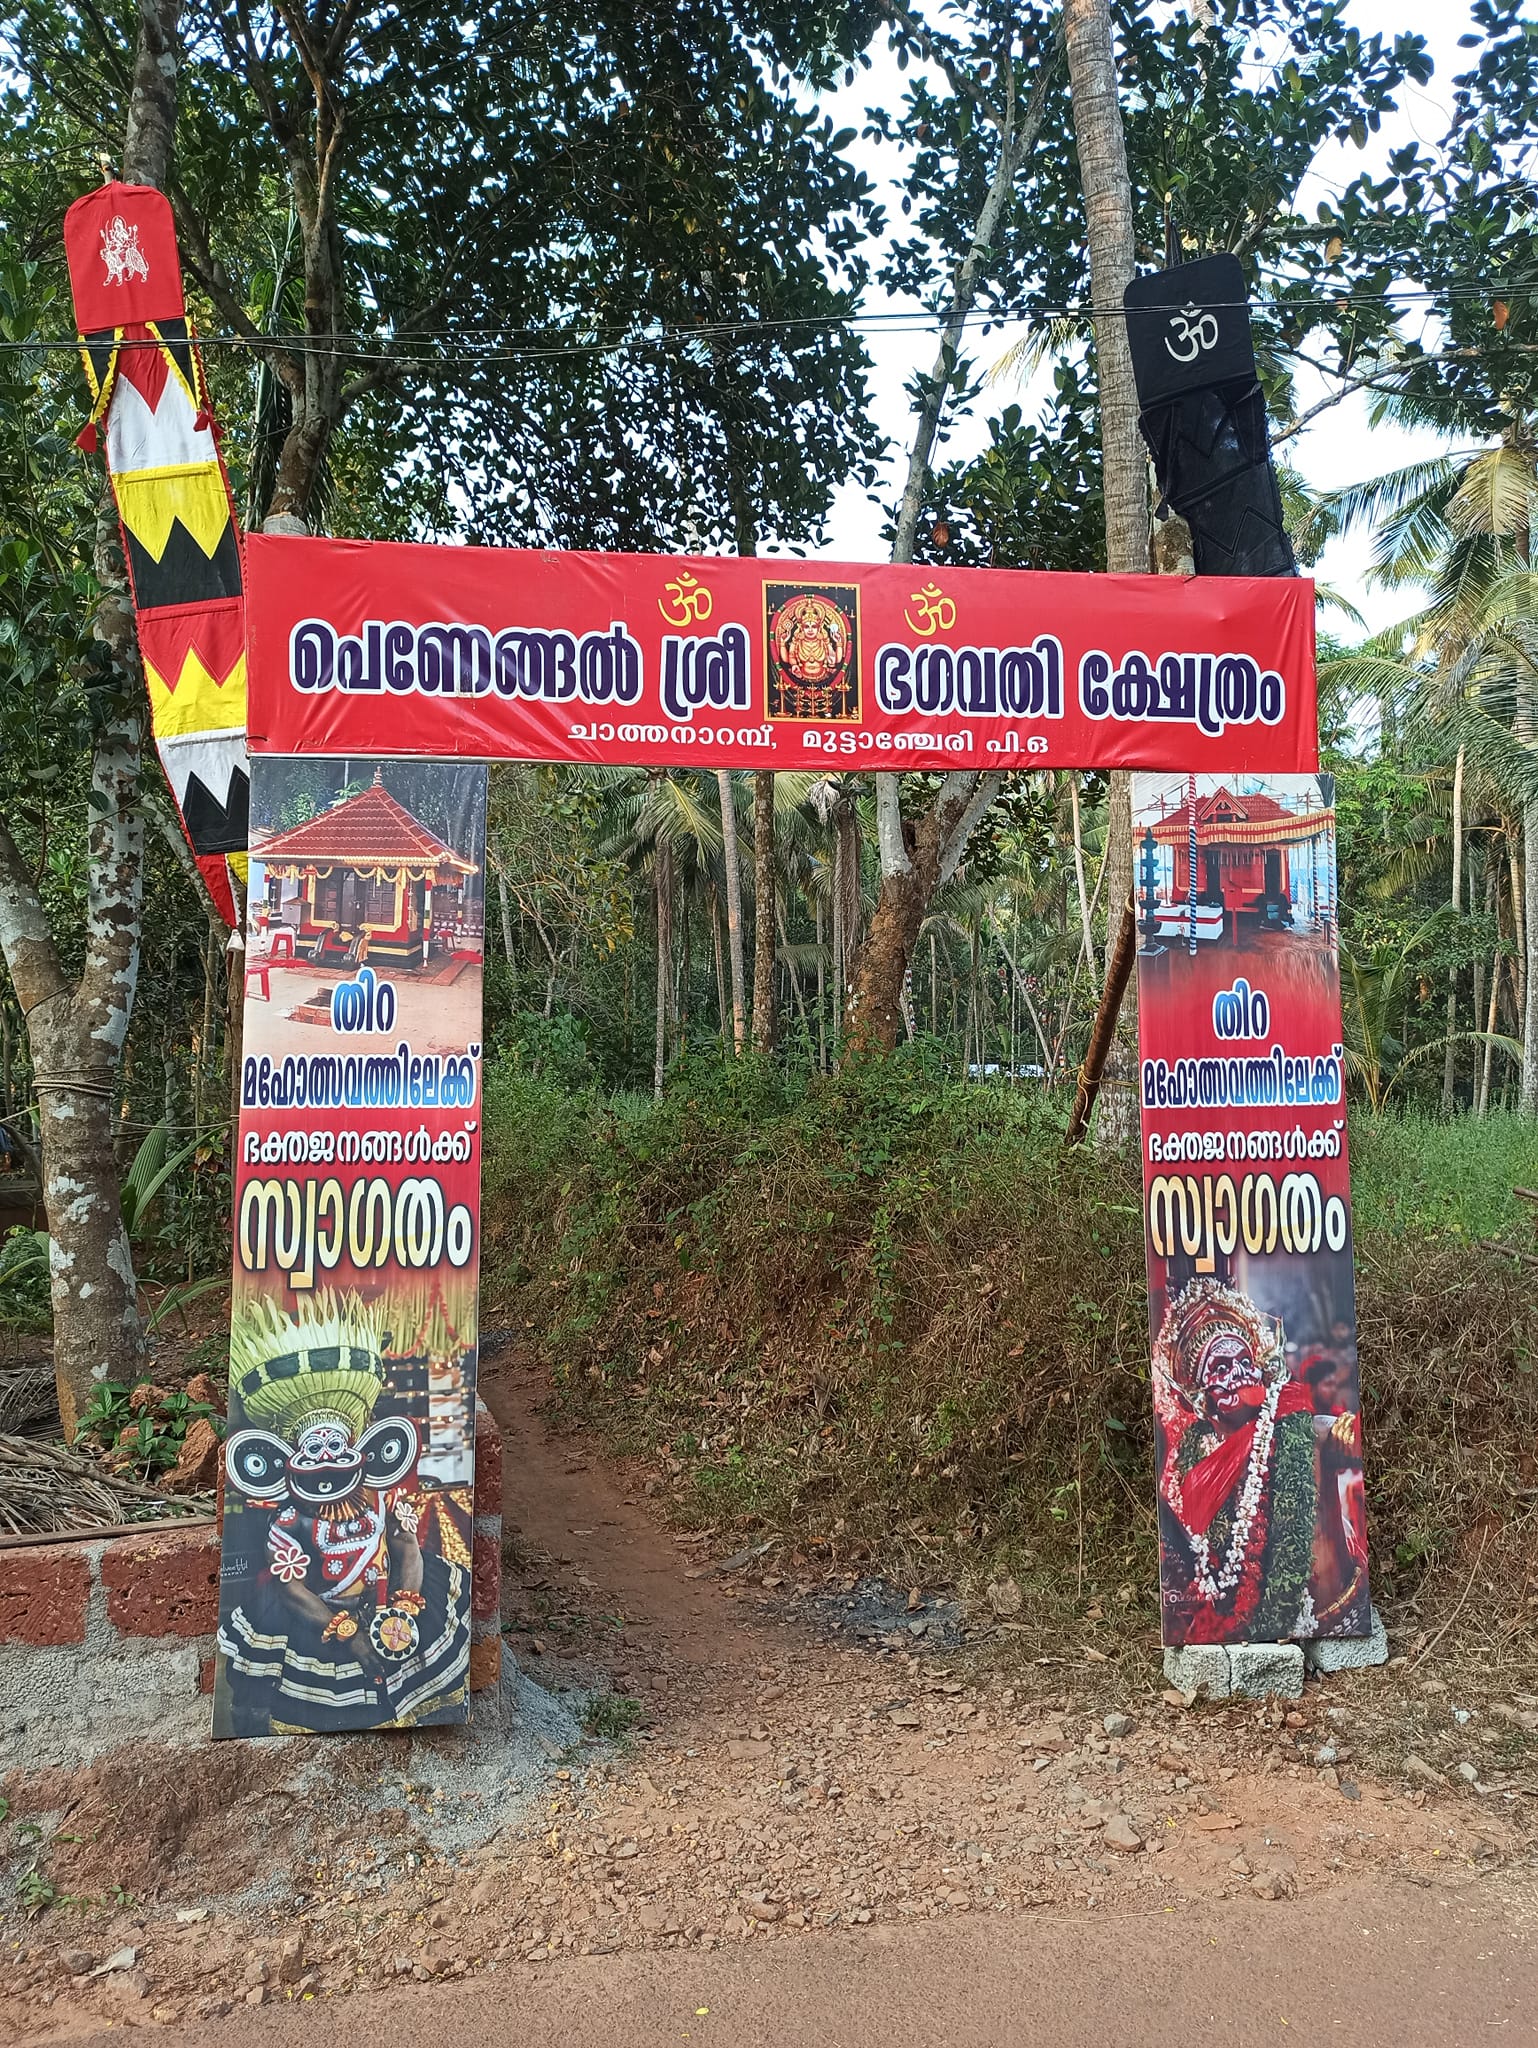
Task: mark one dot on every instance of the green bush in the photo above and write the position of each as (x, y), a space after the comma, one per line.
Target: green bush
(25, 1302)
(1418, 1174)
(890, 1314)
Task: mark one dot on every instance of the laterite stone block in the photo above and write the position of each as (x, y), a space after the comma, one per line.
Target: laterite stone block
(165, 1583)
(488, 1462)
(485, 1576)
(44, 1591)
(485, 1663)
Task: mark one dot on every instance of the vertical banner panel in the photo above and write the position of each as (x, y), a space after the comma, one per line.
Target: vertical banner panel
(349, 1468)
(150, 406)
(1252, 1317)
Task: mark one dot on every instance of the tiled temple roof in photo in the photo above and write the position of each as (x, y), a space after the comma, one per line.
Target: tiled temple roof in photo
(369, 830)
(1223, 819)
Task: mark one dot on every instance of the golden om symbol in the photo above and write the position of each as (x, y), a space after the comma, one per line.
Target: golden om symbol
(691, 601)
(937, 614)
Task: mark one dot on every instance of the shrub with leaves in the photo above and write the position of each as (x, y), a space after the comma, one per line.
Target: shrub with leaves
(141, 1429)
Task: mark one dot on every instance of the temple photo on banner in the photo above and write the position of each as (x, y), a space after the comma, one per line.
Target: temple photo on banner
(1252, 1319)
(349, 1467)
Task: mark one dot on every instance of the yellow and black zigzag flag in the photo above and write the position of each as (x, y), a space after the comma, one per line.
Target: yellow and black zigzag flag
(149, 392)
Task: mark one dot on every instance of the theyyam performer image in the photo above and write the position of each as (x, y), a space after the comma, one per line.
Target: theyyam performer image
(353, 1610)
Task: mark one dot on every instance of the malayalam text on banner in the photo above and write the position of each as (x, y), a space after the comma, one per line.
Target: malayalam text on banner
(726, 662)
(1262, 1514)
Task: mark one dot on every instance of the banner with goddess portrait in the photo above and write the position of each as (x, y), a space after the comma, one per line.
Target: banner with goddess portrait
(1262, 1512)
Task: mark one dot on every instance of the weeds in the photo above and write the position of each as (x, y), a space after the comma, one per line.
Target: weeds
(35, 1893)
(141, 1428)
(611, 1716)
(25, 1299)
(889, 1315)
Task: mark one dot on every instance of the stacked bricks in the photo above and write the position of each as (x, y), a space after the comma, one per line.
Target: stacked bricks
(159, 1585)
(104, 1641)
(486, 1561)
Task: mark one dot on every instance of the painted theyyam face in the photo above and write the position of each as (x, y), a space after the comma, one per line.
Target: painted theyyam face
(326, 1465)
(1229, 1373)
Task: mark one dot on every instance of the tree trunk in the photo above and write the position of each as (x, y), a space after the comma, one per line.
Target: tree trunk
(795, 978)
(932, 849)
(1530, 957)
(1102, 153)
(720, 958)
(822, 997)
(1449, 1070)
(840, 984)
(1078, 870)
(848, 879)
(76, 1035)
(505, 905)
(662, 888)
(875, 1000)
(1526, 727)
(733, 909)
(681, 1014)
(1482, 1107)
(1107, 188)
(764, 913)
(7, 1053)
(1518, 928)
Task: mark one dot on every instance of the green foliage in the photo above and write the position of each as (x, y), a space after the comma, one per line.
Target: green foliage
(35, 1893)
(24, 1285)
(144, 1437)
(1414, 1175)
(559, 225)
(888, 1316)
(816, 1299)
(1032, 499)
(1223, 125)
(24, 1257)
(611, 1716)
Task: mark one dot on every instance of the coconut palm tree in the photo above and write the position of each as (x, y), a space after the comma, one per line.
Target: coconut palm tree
(1463, 671)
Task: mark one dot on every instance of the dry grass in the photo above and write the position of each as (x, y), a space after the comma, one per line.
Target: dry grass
(45, 1488)
(896, 1323)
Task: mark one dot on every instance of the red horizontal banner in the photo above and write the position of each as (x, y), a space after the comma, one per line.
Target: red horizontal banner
(377, 647)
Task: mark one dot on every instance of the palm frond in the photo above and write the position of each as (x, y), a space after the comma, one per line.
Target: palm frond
(1494, 494)
(1410, 543)
(1380, 496)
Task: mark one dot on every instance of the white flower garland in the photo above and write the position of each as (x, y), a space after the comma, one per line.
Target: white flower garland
(1215, 1586)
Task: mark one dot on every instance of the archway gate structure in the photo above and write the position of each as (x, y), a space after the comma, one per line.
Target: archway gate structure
(373, 681)
(381, 676)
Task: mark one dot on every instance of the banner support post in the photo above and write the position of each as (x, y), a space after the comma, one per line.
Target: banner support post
(1103, 1036)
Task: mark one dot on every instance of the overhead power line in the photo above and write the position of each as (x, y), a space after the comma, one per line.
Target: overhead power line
(492, 344)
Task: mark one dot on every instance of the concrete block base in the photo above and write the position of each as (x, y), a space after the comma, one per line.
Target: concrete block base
(1254, 1671)
(1198, 1667)
(1349, 1653)
(1259, 1671)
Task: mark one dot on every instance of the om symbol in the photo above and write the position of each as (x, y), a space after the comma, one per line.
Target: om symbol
(691, 602)
(1197, 331)
(937, 614)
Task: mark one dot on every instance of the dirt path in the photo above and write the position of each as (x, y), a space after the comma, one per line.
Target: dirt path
(598, 1546)
(773, 1790)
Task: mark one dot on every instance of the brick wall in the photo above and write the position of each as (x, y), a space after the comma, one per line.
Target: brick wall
(162, 1585)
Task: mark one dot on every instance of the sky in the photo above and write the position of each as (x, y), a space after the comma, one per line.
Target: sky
(1342, 447)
